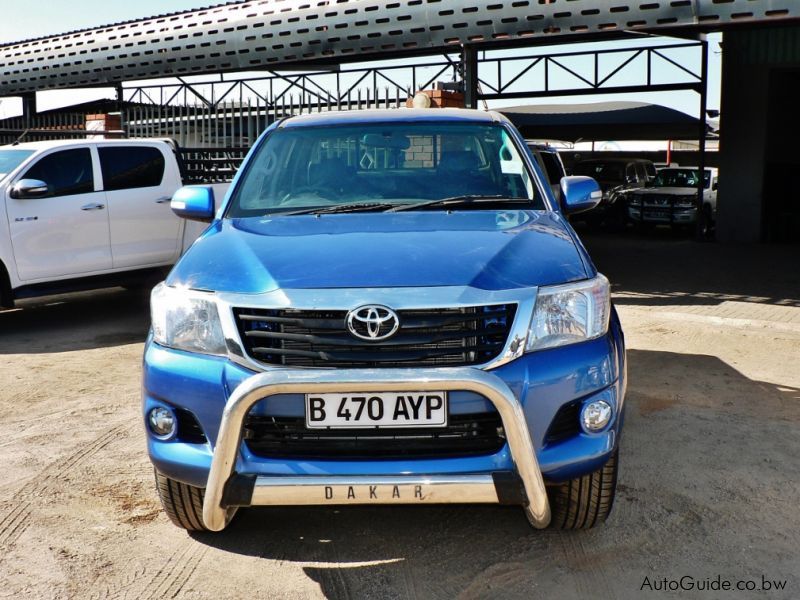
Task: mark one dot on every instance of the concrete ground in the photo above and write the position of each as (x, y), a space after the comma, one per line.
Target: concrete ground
(709, 481)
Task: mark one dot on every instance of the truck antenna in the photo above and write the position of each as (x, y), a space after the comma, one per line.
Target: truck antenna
(17, 141)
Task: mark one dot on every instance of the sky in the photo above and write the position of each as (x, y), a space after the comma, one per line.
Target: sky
(23, 19)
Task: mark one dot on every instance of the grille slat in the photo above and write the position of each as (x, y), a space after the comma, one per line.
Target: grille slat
(365, 355)
(298, 322)
(347, 340)
(314, 338)
(287, 437)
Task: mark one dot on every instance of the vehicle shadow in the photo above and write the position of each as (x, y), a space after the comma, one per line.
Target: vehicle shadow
(81, 321)
(698, 433)
(659, 268)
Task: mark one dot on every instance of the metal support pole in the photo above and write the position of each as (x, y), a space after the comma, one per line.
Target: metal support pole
(702, 218)
(29, 109)
(469, 67)
(120, 109)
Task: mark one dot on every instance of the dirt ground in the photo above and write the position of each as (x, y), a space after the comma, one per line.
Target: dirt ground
(709, 483)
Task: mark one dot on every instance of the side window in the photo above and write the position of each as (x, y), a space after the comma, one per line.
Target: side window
(126, 167)
(66, 173)
(641, 173)
(630, 172)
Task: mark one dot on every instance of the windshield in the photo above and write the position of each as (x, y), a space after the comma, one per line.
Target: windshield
(601, 171)
(679, 178)
(394, 164)
(11, 159)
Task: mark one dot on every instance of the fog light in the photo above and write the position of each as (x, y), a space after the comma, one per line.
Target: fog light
(162, 422)
(596, 415)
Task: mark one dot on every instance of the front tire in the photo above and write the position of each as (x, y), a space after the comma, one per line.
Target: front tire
(586, 501)
(183, 503)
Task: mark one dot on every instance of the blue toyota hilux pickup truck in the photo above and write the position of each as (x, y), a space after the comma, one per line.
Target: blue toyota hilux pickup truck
(388, 307)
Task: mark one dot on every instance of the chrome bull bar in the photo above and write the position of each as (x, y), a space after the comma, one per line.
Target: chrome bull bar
(222, 495)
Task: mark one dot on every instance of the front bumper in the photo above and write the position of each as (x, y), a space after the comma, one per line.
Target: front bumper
(535, 386)
(667, 215)
(226, 490)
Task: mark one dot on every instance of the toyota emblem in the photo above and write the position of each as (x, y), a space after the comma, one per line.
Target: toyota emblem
(373, 322)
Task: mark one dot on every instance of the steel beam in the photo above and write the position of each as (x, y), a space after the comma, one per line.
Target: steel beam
(290, 33)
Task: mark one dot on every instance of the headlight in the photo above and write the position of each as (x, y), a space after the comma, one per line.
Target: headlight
(685, 201)
(571, 313)
(186, 320)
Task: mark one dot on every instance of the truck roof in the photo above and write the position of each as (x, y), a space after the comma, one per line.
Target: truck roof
(47, 144)
(394, 115)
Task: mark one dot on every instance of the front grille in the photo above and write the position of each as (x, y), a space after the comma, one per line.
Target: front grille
(430, 337)
(657, 201)
(565, 424)
(287, 437)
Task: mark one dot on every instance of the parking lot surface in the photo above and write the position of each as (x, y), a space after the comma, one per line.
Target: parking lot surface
(709, 476)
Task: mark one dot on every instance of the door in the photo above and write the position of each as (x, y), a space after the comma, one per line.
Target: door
(139, 186)
(65, 233)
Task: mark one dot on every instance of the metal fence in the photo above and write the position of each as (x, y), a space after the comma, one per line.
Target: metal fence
(214, 138)
(53, 126)
(232, 123)
(210, 165)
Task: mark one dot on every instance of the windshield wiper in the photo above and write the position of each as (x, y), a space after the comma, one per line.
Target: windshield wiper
(343, 208)
(456, 200)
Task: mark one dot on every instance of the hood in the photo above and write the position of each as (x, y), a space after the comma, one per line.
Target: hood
(491, 250)
(667, 191)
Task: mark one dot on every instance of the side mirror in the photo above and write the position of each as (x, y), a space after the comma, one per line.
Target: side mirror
(580, 194)
(194, 202)
(29, 188)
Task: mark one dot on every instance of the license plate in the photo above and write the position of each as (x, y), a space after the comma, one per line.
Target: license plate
(657, 214)
(376, 410)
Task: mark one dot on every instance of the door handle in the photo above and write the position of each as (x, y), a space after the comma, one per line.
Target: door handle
(93, 206)
(163, 199)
